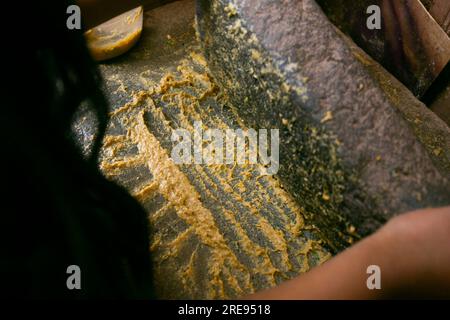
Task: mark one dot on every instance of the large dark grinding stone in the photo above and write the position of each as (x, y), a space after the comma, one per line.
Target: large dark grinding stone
(356, 146)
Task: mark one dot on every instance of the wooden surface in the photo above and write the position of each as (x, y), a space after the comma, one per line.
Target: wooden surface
(411, 44)
(440, 10)
(441, 105)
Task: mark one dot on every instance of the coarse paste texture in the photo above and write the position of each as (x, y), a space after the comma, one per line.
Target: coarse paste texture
(248, 232)
(357, 147)
(218, 231)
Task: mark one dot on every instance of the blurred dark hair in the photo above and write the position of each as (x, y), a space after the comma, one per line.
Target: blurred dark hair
(57, 209)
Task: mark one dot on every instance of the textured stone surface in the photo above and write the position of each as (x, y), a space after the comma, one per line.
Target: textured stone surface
(219, 231)
(356, 146)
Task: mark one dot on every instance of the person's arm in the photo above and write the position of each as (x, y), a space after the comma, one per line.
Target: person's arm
(95, 12)
(412, 251)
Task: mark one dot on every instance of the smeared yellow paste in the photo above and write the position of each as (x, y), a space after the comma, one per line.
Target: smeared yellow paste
(224, 268)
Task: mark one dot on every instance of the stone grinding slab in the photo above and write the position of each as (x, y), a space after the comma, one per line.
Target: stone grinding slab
(219, 231)
(356, 146)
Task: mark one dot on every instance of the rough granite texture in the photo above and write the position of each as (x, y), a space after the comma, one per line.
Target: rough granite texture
(218, 231)
(356, 147)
